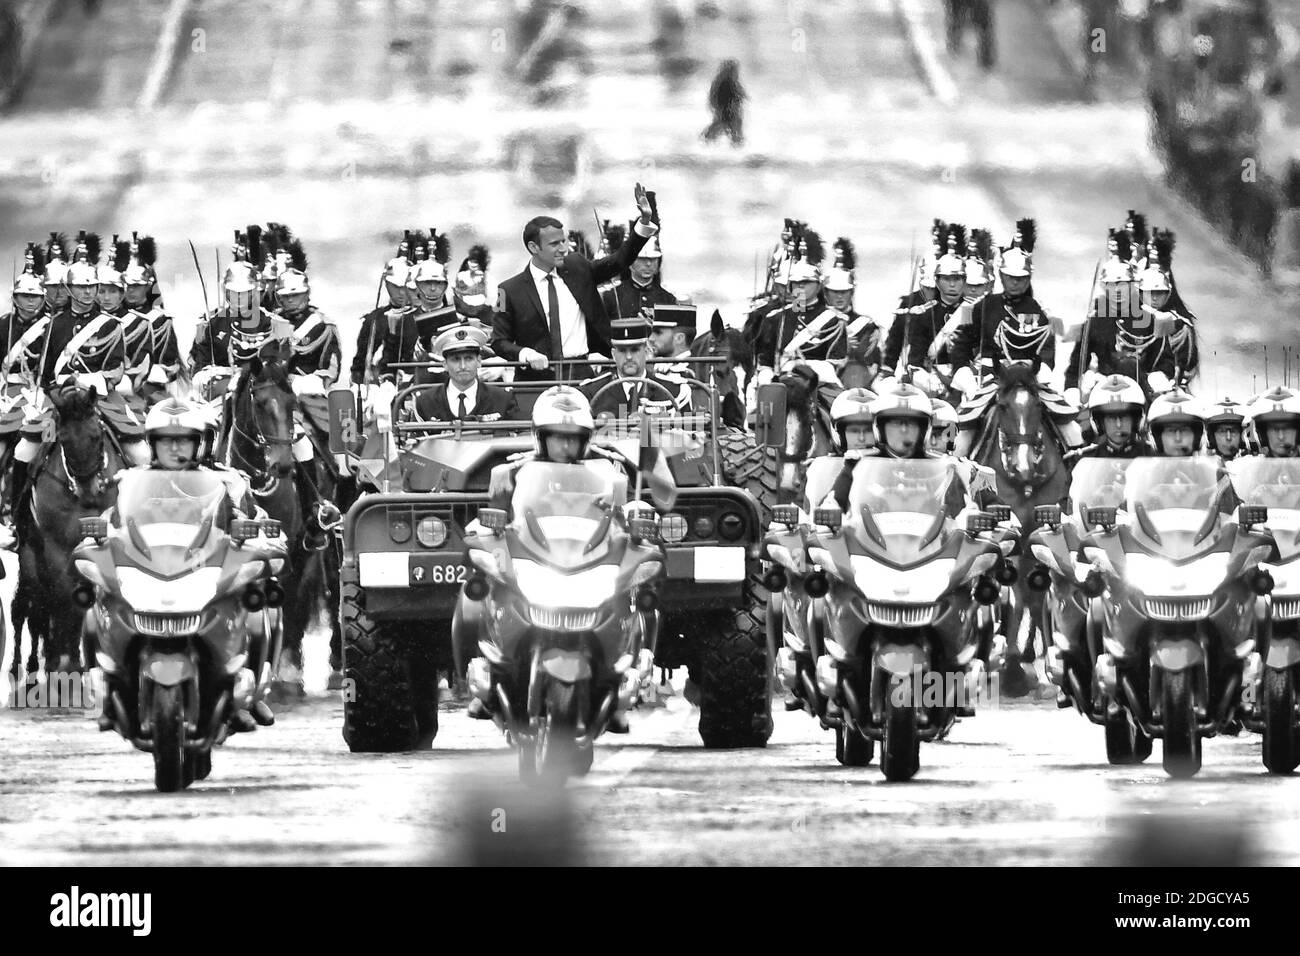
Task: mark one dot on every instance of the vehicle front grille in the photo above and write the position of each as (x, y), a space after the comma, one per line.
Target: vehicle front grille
(1286, 609)
(901, 615)
(1178, 609)
(564, 619)
(166, 625)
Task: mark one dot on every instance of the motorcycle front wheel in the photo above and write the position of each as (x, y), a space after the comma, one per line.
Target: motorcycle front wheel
(900, 752)
(1281, 750)
(557, 754)
(168, 720)
(852, 749)
(1182, 749)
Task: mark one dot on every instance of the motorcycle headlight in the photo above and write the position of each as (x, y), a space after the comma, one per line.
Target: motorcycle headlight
(247, 574)
(188, 594)
(541, 586)
(923, 585)
(1159, 577)
(646, 572)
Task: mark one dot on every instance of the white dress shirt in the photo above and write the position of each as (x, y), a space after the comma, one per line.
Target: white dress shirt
(453, 398)
(573, 327)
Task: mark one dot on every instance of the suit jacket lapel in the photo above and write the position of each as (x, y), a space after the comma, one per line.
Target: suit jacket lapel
(526, 277)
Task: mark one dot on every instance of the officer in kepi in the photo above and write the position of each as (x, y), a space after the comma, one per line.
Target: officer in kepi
(621, 393)
(464, 397)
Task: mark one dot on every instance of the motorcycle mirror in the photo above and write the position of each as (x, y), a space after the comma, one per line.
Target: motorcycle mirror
(830, 517)
(242, 529)
(769, 418)
(1250, 515)
(1000, 513)
(494, 519)
(1100, 516)
(785, 514)
(96, 528)
(343, 421)
(1048, 516)
(644, 529)
(981, 522)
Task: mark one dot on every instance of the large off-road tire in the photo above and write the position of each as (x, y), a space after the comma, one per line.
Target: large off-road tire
(168, 719)
(1125, 743)
(900, 751)
(1182, 750)
(384, 709)
(750, 466)
(852, 749)
(1281, 750)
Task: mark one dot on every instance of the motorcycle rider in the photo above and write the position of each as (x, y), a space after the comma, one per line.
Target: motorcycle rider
(1116, 406)
(852, 418)
(1225, 425)
(176, 430)
(1175, 424)
(1275, 417)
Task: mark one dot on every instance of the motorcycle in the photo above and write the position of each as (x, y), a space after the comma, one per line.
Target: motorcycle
(562, 606)
(1072, 613)
(1271, 488)
(181, 614)
(901, 633)
(1181, 566)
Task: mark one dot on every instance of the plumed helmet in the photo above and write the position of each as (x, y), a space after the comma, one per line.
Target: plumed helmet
(806, 263)
(840, 277)
(952, 261)
(174, 416)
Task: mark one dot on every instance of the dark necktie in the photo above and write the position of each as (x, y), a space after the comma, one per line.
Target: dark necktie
(460, 411)
(553, 313)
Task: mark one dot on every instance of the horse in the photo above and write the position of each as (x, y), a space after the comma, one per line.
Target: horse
(809, 432)
(721, 341)
(73, 481)
(1021, 441)
(258, 440)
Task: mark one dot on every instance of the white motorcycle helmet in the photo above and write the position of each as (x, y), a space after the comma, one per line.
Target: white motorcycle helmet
(897, 401)
(562, 410)
(1279, 406)
(1175, 408)
(1116, 393)
(176, 418)
(851, 407)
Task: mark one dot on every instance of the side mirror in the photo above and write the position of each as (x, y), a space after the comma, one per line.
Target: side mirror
(644, 529)
(271, 527)
(242, 529)
(832, 518)
(785, 514)
(1100, 516)
(494, 519)
(1001, 513)
(1247, 515)
(769, 420)
(980, 522)
(1047, 516)
(96, 528)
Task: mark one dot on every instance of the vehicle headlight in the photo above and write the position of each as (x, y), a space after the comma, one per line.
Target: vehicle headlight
(703, 527)
(431, 532)
(188, 594)
(1159, 577)
(541, 586)
(672, 527)
(923, 585)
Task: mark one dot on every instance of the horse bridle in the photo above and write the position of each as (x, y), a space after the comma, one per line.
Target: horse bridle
(257, 437)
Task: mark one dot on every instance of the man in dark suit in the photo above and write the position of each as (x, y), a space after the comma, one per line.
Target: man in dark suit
(552, 311)
(464, 397)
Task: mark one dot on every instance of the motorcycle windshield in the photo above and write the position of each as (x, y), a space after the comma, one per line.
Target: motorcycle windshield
(1274, 483)
(564, 512)
(899, 505)
(1173, 503)
(1098, 483)
(167, 518)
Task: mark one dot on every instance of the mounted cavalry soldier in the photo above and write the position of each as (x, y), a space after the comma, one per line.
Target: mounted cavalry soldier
(1122, 334)
(24, 324)
(241, 320)
(916, 329)
(153, 350)
(1006, 326)
(835, 333)
(802, 330)
(384, 338)
(1173, 321)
